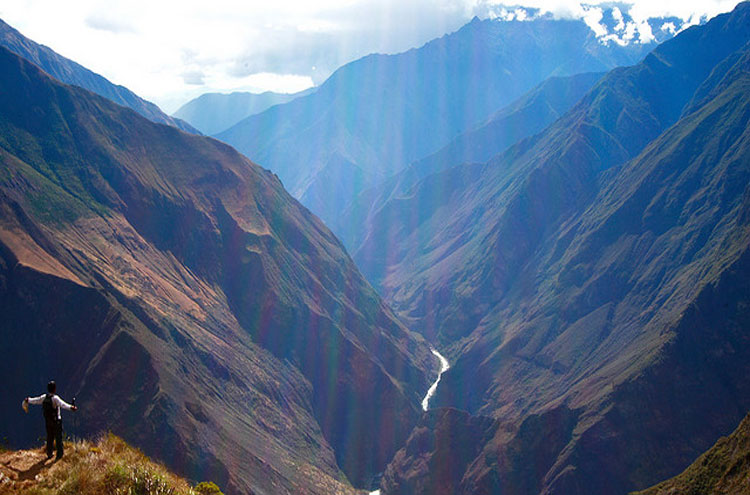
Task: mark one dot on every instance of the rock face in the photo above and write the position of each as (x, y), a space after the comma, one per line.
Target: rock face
(376, 115)
(69, 72)
(723, 470)
(598, 271)
(188, 302)
(443, 443)
(212, 113)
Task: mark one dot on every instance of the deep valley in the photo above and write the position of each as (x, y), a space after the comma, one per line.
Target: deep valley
(514, 260)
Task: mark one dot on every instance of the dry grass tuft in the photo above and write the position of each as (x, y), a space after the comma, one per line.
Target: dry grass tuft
(108, 466)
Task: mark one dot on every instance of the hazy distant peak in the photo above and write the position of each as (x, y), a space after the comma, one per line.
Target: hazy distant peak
(212, 113)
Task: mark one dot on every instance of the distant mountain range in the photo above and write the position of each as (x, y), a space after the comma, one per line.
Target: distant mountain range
(212, 113)
(375, 220)
(574, 237)
(188, 301)
(590, 284)
(69, 72)
(375, 116)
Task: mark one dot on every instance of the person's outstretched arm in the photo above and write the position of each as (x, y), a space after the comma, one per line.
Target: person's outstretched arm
(61, 403)
(36, 400)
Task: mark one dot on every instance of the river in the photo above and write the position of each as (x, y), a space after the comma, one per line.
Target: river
(444, 366)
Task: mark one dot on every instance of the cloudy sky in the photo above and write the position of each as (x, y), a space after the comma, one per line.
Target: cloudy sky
(170, 51)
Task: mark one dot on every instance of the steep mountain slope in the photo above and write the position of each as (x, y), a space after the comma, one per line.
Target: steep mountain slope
(188, 301)
(376, 115)
(212, 113)
(597, 305)
(69, 72)
(368, 218)
(488, 219)
(725, 469)
(107, 465)
(526, 116)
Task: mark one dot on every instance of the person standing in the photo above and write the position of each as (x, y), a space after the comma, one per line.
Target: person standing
(52, 406)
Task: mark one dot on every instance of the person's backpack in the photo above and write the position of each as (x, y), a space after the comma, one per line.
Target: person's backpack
(48, 409)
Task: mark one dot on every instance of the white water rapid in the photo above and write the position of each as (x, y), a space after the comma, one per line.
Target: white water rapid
(444, 365)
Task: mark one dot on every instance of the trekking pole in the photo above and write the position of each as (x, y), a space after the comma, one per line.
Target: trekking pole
(75, 421)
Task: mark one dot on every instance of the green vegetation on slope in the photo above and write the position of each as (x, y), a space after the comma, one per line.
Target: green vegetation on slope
(107, 466)
(604, 296)
(725, 469)
(242, 326)
(70, 72)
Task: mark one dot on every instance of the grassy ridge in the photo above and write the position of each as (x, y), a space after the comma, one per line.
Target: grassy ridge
(725, 469)
(107, 466)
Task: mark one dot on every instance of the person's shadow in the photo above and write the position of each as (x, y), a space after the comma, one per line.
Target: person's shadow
(32, 471)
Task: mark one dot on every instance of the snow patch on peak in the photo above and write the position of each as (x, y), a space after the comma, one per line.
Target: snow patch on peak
(516, 13)
(611, 25)
(615, 22)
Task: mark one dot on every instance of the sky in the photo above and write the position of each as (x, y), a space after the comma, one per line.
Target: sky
(170, 51)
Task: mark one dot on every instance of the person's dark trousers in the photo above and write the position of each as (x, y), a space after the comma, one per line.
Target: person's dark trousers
(58, 438)
(54, 434)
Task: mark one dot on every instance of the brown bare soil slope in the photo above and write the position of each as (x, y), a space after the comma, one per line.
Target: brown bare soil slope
(590, 285)
(188, 301)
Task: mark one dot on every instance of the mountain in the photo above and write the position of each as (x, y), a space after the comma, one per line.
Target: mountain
(624, 112)
(530, 114)
(376, 115)
(212, 113)
(371, 220)
(188, 302)
(590, 284)
(724, 469)
(69, 72)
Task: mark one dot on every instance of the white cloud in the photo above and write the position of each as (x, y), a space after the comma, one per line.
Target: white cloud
(109, 23)
(644, 29)
(194, 77)
(617, 15)
(669, 27)
(171, 50)
(517, 14)
(593, 16)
